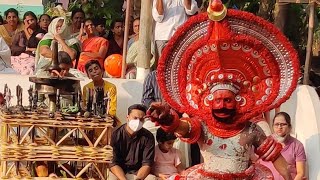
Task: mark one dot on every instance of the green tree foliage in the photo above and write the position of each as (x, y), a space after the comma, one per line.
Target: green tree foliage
(108, 9)
(296, 28)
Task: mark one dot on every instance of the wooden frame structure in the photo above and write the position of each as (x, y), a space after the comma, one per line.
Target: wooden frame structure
(33, 136)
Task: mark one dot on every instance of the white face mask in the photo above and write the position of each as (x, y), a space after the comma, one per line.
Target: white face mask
(135, 124)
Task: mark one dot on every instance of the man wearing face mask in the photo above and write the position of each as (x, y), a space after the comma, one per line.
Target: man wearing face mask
(133, 148)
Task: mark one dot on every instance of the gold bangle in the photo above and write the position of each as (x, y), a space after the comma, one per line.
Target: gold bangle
(190, 127)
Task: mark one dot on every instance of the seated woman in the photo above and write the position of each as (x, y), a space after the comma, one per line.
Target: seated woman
(93, 46)
(135, 36)
(58, 31)
(44, 21)
(24, 45)
(293, 150)
(12, 27)
(77, 18)
(116, 37)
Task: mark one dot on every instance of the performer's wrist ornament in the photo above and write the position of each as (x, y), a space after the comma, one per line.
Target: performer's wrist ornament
(174, 122)
(194, 130)
(269, 150)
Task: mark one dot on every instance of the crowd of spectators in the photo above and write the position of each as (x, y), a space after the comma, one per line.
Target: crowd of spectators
(26, 44)
(29, 38)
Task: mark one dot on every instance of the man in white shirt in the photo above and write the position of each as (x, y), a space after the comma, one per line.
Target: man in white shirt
(169, 15)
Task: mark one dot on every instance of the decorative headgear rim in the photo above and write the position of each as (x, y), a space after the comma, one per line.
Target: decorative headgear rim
(197, 31)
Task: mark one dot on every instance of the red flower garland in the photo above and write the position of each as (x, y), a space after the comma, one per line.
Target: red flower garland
(245, 174)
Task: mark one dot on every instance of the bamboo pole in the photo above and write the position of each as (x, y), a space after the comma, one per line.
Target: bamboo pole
(26, 134)
(144, 52)
(65, 136)
(4, 138)
(100, 137)
(44, 133)
(125, 40)
(309, 44)
(99, 172)
(85, 137)
(83, 170)
(65, 169)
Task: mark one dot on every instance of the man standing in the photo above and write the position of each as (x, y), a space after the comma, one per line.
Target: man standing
(151, 92)
(133, 148)
(169, 15)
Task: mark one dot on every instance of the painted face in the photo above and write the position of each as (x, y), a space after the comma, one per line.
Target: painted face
(89, 27)
(59, 25)
(118, 29)
(224, 106)
(166, 146)
(94, 72)
(12, 19)
(136, 26)
(280, 126)
(77, 19)
(32, 21)
(44, 22)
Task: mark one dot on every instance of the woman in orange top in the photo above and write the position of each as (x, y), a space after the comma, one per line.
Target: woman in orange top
(93, 46)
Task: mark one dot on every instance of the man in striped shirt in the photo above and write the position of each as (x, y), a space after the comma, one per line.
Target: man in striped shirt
(151, 92)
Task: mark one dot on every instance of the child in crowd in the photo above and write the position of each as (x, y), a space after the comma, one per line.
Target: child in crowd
(65, 63)
(167, 163)
(94, 72)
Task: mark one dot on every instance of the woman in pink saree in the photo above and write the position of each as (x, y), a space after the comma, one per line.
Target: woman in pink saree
(93, 46)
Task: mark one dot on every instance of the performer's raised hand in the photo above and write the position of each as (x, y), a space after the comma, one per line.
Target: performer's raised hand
(159, 113)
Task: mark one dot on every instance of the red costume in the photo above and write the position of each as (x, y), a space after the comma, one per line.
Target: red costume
(227, 65)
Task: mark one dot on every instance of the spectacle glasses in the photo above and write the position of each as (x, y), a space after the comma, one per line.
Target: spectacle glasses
(280, 124)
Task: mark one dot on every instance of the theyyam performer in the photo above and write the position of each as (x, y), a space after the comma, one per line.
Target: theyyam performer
(223, 68)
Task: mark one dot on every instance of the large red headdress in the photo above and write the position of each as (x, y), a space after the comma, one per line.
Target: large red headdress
(237, 51)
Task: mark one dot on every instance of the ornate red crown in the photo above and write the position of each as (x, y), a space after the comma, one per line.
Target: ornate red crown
(240, 52)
